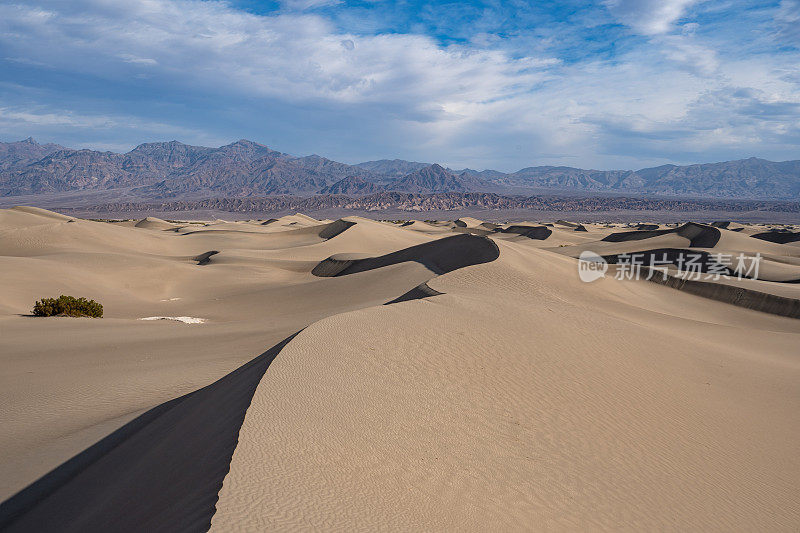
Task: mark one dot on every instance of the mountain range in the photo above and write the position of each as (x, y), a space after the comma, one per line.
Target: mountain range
(244, 168)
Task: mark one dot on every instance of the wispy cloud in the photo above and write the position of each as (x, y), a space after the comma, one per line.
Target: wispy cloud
(498, 85)
(44, 121)
(650, 17)
(789, 18)
(302, 5)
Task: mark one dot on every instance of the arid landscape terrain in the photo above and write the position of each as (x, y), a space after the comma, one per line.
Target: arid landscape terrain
(418, 267)
(355, 374)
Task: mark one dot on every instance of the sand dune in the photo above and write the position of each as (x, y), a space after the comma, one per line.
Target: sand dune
(699, 235)
(39, 212)
(740, 296)
(440, 256)
(172, 458)
(154, 223)
(468, 222)
(494, 392)
(568, 431)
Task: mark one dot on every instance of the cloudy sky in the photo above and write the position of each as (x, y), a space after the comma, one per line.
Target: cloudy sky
(494, 84)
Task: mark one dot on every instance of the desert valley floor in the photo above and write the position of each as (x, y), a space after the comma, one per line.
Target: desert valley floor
(358, 375)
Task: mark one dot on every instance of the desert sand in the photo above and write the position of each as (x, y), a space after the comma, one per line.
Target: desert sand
(250, 376)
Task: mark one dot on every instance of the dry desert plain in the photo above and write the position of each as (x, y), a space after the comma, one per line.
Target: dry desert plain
(357, 375)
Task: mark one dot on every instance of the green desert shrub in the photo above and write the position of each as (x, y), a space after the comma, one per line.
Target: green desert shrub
(67, 306)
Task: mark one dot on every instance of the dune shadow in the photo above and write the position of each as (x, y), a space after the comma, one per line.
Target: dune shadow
(539, 233)
(778, 237)
(335, 228)
(439, 256)
(699, 235)
(160, 472)
(205, 257)
(423, 290)
(738, 296)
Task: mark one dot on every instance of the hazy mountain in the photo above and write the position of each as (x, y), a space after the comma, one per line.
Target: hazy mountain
(566, 178)
(392, 168)
(21, 153)
(65, 169)
(166, 169)
(246, 168)
(243, 168)
(486, 175)
(353, 186)
(435, 178)
(746, 178)
(751, 177)
(331, 169)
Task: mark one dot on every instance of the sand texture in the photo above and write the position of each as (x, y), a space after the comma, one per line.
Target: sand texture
(418, 376)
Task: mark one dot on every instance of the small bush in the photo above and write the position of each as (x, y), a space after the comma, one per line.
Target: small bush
(67, 306)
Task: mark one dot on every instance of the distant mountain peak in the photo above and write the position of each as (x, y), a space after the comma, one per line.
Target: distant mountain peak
(172, 143)
(351, 185)
(391, 168)
(432, 179)
(246, 143)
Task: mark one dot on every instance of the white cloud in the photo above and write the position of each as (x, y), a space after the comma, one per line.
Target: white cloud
(288, 56)
(649, 17)
(11, 117)
(789, 18)
(137, 60)
(40, 118)
(474, 104)
(301, 5)
(688, 55)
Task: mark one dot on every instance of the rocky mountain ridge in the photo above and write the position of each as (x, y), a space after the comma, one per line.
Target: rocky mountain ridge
(162, 170)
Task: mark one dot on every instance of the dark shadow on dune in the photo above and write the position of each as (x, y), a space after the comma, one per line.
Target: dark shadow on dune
(699, 235)
(472, 231)
(574, 225)
(423, 290)
(439, 256)
(647, 227)
(749, 299)
(335, 228)
(778, 237)
(538, 233)
(160, 472)
(725, 224)
(205, 257)
(270, 221)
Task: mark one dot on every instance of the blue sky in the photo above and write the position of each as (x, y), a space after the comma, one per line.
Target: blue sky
(504, 85)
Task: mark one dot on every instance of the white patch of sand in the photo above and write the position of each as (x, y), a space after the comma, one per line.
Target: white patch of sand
(184, 319)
